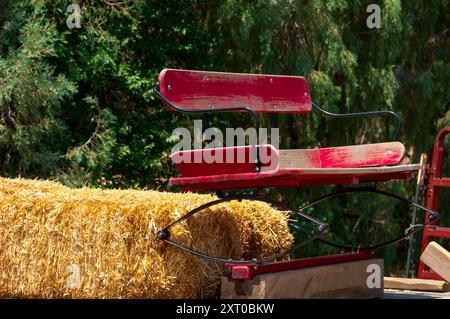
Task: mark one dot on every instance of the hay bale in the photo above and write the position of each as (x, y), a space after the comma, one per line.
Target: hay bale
(110, 236)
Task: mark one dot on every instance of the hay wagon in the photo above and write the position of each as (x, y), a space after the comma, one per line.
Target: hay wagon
(201, 92)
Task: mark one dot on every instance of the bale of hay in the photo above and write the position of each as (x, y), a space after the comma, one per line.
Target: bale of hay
(46, 229)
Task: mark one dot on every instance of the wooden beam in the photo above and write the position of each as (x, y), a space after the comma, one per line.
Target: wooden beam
(416, 284)
(438, 259)
(344, 280)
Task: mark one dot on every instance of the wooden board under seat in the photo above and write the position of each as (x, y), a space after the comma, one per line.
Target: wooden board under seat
(337, 281)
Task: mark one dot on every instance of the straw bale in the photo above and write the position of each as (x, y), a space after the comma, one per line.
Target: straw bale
(110, 235)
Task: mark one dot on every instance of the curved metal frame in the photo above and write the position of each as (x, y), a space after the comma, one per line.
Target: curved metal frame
(248, 109)
(433, 216)
(322, 228)
(164, 234)
(358, 114)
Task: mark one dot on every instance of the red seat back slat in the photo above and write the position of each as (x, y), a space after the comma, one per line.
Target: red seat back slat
(232, 160)
(202, 90)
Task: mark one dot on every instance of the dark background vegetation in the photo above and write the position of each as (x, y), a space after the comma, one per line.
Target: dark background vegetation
(76, 105)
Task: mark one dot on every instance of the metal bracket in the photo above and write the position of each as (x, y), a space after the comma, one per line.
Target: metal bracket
(398, 122)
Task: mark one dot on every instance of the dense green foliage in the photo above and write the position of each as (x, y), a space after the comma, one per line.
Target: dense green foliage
(76, 104)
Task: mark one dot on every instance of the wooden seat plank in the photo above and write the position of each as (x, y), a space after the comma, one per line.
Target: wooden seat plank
(296, 177)
(367, 155)
(203, 162)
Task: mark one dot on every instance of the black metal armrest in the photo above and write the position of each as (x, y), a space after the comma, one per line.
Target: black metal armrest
(248, 109)
(358, 114)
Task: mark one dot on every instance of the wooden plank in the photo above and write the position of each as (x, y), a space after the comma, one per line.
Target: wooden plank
(356, 170)
(237, 160)
(204, 90)
(344, 280)
(299, 158)
(411, 294)
(303, 174)
(378, 154)
(416, 284)
(295, 177)
(203, 162)
(438, 259)
(277, 180)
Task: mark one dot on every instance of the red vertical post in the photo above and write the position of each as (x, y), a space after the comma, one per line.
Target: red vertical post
(435, 182)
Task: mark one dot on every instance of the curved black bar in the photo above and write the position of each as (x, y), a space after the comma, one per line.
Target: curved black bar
(357, 114)
(248, 109)
(374, 248)
(433, 217)
(322, 228)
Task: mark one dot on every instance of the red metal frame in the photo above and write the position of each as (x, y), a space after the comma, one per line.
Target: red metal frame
(434, 183)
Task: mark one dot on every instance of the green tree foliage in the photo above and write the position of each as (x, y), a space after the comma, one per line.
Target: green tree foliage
(403, 67)
(76, 104)
(31, 129)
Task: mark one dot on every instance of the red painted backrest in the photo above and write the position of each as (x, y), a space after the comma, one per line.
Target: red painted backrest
(202, 90)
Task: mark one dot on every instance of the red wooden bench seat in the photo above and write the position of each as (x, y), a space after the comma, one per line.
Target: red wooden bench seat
(256, 166)
(202, 91)
(299, 167)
